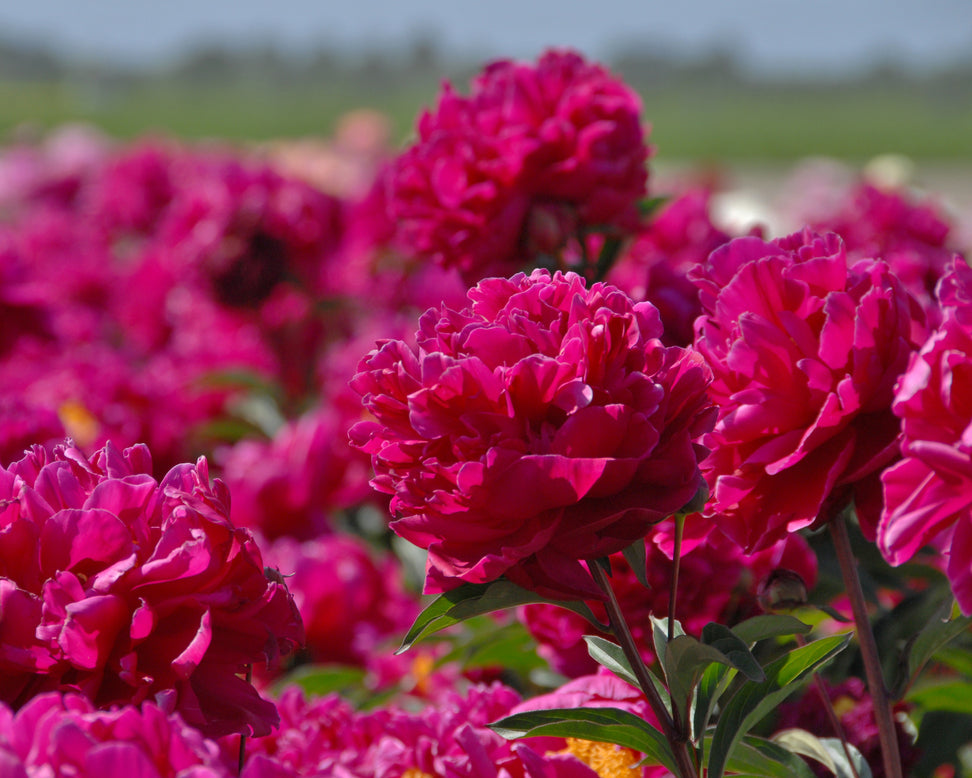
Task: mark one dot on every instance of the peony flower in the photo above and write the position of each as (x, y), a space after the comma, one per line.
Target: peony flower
(805, 349)
(134, 588)
(290, 485)
(655, 266)
(324, 736)
(542, 425)
(929, 493)
(535, 155)
(350, 601)
(66, 735)
(913, 237)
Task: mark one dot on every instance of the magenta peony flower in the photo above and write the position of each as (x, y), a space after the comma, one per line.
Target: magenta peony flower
(655, 266)
(805, 351)
(134, 588)
(542, 425)
(55, 735)
(325, 737)
(532, 157)
(929, 493)
(290, 486)
(913, 237)
(350, 600)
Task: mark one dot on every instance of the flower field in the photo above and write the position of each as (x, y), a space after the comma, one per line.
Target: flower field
(499, 454)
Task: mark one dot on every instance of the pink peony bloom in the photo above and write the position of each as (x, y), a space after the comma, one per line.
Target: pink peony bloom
(655, 266)
(805, 351)
(135, 588)
(532, 157)
(290, 486)
(855, 711)
(350, 601)
(914, 238)
(448, 739)
(55, 735)
(542, 425)
(929, 493)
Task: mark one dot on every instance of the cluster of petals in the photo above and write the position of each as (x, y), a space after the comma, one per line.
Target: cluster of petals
(855, 711)
(125, 589)
(352, 601)
(913, 236)
(542, 425)
(292, 484)
(532, 156)
(805, 348)
(65, 735)
(928, 494)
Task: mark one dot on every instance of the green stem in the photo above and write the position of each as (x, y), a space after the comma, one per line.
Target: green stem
(883, 714)
(676, 559)
(677, 741)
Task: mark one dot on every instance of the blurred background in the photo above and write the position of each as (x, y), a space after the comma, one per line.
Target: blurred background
(748, 81)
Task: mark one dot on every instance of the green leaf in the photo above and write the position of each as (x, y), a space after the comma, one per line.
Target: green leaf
(734, 649)
(637, 559)
(769, 626)
(602, 725)
(761, 758)
(611, 656)
(651, 204)
(753, 701)
(713, 684)
(659, 635)
(938, 632)
(829, 751)
(470, 600)
(951, 696)
(685, 660)
(323, 679)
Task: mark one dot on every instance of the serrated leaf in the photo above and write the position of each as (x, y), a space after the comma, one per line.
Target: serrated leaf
(602, 725)
(734, 649)
(470, 600)
(638, 561)
(767, 626)
(753, 701)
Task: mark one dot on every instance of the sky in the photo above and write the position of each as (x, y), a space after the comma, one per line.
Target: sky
(817, 36)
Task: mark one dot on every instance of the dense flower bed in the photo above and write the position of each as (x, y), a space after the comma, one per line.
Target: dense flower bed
(248, 415)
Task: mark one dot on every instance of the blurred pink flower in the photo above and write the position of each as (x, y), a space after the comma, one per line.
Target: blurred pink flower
(291, 485)
(351, 601)
(55, 735)
(913, 237)
(806, 350)
(542, 425)
(655, 266)
(137, 588)
(929, 493)
(534, 155)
